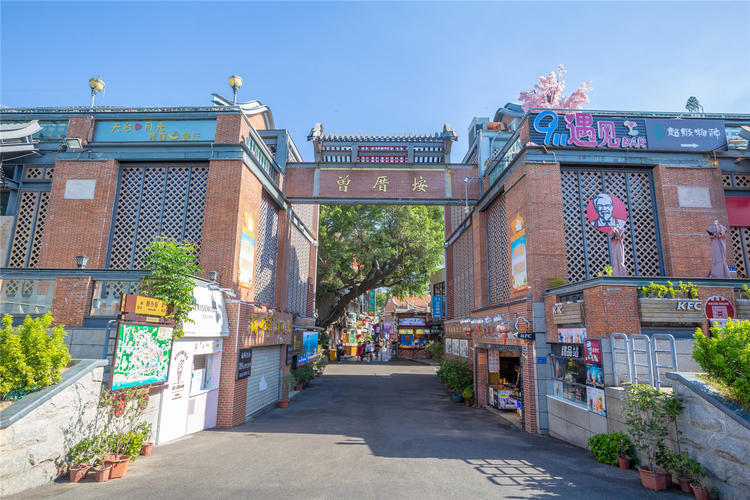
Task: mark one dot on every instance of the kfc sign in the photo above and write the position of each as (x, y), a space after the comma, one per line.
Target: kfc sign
(605, 211)
(592, 351)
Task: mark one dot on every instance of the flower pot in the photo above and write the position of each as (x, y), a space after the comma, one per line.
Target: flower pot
(119, 466)
(668, 474)
(624, 462)
(77, 472)
(283, 403)
(298, 387)
(652, 480)
(146, 449)
(457, 397)
(685, 484)
(101, 473)
(467, 402)
(700, 492)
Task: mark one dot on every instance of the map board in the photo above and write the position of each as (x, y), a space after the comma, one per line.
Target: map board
(141, 356)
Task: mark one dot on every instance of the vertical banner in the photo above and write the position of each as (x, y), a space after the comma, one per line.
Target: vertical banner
(372, 303)
(247, 252)
(518, 255)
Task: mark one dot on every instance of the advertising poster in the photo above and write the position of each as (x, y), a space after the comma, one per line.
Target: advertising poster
(595, 400)
(518, 255)
(142, 356)
(309, 348)
(247, 252)
(594, 375)
(557, 388)
(406, 340)
(464, 348)
(571, 335)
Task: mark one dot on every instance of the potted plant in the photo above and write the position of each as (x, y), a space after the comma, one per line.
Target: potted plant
(286, 384)
(145, 430)
(80, 457)
(122, 409)
(646, 419)
(612, 449)
(468, 395)
(625, 451)
(666, 462)
(696, 473)
(665, 303)
(101, 452)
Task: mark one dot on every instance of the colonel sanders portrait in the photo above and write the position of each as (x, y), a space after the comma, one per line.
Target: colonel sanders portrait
(604, 207)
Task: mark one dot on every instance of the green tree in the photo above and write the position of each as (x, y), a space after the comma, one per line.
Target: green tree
(172, 267)
(363, 247)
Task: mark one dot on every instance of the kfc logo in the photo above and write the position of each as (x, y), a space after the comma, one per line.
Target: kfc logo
(605, 211)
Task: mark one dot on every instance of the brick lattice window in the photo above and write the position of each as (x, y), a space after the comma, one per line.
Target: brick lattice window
(463, 275)
(299, 272)
(740, 242)
(586, 248)
(498, 253)
(27, 237)
(153, 201)
(268, 245)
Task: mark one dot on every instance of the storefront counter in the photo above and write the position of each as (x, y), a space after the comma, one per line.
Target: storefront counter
(504, 397)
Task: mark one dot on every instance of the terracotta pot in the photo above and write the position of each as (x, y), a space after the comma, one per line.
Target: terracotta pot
(668, 474)
(298, 387)
(77, 472)
(146, 449)
(700, 492)
(119, 466)
(624, 462)
(685, 484)
(283, 403)
(101, 473)
(652, 480)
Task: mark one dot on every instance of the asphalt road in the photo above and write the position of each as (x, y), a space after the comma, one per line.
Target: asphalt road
(366, 430)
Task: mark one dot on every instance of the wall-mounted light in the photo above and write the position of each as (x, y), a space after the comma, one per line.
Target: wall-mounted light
(212, 275)
(82, 260)
(73, 144)
(235, 82)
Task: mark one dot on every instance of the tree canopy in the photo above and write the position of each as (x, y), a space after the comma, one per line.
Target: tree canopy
(363, 247)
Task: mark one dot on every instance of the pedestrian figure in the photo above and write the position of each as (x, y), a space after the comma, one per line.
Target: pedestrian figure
(377, 349)
(361, 351)
(339, 350)
(368, 351)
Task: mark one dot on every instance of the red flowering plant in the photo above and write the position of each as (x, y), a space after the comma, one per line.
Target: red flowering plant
(120, 412)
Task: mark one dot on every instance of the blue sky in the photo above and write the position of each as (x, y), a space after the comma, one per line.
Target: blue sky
(375, 67)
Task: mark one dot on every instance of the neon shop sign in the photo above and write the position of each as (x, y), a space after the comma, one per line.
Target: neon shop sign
(581, 129)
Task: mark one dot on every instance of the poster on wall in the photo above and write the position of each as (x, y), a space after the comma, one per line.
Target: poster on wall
(605, 211)
(518, 255)
(464, 348)
(142, 356)
(247, 252)
(406, 340)
(595, 400)
(493, 361)
(571, 335)
(309, 348)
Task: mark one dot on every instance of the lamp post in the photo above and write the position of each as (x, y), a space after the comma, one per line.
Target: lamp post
(235, 82)
(96, 84)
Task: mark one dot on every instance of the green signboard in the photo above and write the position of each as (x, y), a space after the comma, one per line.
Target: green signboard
(142, 355)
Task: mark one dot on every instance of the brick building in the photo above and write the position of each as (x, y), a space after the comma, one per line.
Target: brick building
(104, 182)
(531, 255)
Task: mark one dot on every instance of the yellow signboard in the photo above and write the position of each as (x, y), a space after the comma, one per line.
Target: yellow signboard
(148, 306)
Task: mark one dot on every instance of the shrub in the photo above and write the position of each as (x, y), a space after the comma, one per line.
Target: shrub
(685, 290)
(31, 357)
(726, 356)
(647, 419)
(457, 374)
(435, 349)
(304, 374)
(84, 452)
(607, 447)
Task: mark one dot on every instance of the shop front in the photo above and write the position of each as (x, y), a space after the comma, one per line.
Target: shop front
(577, 373)
(190, 400)
(413, 334)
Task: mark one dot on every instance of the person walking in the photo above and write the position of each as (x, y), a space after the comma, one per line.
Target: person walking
(361, 351)
(368, 350)
(339, 350)
(377, 349)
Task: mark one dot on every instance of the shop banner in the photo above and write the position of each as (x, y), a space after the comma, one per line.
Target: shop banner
(518, 255)
(154, 131)
(309, 348)
(592, 351)
(571, 335)
(437, 306)
(581, 129)
(247, 252)
(142, 356)
(209, 315)
(686, 134)
(244, 363)
(412, 322)
(567, 350)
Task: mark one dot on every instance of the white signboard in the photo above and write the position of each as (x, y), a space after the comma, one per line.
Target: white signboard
(209, 315)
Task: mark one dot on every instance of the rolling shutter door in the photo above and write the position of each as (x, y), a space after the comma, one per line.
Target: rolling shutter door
(263, 382)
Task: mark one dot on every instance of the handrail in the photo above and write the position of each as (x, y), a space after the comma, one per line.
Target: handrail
(626, 350)
(658, 382)
(649, 365)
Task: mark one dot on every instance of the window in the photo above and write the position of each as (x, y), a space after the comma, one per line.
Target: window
(569, 376)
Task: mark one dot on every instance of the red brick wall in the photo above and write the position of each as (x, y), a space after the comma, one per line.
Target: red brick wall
(230, 128)
(687, 251)
(81, 127)
(76, 227)
(72, 300)
(479, 237)
(611, 309)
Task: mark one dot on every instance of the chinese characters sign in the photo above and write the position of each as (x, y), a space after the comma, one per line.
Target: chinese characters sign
(686, 135)
(581, 129)
(382, 183)
(154, 131)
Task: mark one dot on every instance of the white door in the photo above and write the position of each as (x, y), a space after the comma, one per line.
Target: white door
(263, 382)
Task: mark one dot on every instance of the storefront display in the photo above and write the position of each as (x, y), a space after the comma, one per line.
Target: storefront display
(504, 378)
(569, 371)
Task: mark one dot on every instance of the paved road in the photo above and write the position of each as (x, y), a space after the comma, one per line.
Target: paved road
(366, 430)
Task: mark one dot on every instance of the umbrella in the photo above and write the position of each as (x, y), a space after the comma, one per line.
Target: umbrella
(616, 235)
(718, 234)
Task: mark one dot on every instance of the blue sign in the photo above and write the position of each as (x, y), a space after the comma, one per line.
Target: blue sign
(309, 348)
(541, 360)
(686, 135)
(154, 131)
(437, 306)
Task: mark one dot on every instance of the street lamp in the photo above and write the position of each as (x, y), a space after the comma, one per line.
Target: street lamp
(96, 84)
(235, 82)
(81, 261)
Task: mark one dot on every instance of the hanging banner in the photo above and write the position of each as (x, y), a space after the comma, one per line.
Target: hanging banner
(518, 255)
(247, 252)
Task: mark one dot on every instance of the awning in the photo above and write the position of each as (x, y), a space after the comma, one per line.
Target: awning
(16, 138)
(738, 210)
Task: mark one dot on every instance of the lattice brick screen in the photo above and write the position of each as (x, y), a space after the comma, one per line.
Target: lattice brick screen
(498, 253)
(463, 275)
(27, 238)
(153, 201)
(587, 249)
(266, 252)
(299, 272)
(739, 242)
